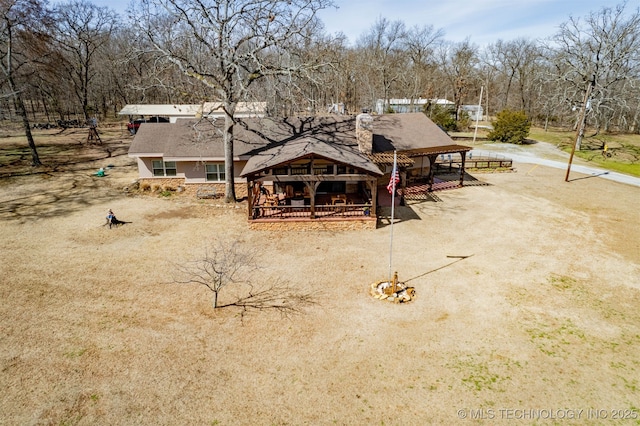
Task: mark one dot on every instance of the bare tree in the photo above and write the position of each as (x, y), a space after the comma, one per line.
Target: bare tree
(458, 62)
(605, 45)
(228, 45)
(382, 58)
(310, 90)
(82, 30)
(420, 44)
(228, 265)
(20, 20)
(515, 63)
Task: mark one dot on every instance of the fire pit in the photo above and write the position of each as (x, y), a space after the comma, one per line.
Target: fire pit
(393, 291)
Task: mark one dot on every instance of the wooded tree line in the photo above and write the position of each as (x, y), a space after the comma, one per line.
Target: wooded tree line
(75, 60)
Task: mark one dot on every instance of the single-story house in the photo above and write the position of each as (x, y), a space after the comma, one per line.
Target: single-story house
(305, 169)
(476, 112)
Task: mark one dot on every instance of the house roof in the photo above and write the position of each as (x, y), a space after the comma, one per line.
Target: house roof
(269, 142)
(184, 139)
(330, 137)
(402, 132)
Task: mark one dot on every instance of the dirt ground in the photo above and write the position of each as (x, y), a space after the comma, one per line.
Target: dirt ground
(539, 325)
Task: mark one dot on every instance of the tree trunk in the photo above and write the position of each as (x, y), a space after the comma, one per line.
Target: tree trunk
(85, 86)
(35, 159)
(230, 190)
(22, 112)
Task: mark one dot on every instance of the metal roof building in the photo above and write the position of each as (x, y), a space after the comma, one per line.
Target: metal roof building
(207, 109)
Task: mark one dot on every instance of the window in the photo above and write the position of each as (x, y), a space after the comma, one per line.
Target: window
(164, 168)
(300, 169)
(215, 172)
(323, 169)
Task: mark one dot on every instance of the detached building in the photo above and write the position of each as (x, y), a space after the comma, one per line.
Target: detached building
(207, 109)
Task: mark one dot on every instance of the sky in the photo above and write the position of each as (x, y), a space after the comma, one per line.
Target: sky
(482, 21)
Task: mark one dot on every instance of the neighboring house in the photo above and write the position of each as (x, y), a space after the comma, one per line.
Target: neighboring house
(206, 109)
(303, 169)
(475, 112)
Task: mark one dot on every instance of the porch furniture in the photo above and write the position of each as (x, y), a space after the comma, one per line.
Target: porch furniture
(272, 200)
(289, 191)
(338, 199)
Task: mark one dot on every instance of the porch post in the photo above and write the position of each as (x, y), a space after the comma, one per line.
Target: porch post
(312, 195)
(432, 164)
(463, 155)
(250, 197)
(373, 183)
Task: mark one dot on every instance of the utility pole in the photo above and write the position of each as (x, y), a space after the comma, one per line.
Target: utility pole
(475, 133)
(581, 123)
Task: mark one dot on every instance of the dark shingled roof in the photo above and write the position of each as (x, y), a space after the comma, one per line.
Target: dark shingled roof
(331, 137)
(186, 138)
(269, 142)
(409, 132)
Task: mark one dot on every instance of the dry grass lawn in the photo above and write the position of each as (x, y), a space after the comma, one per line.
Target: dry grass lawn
(543, 315)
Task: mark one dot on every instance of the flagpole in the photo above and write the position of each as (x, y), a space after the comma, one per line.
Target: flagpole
(393, 205)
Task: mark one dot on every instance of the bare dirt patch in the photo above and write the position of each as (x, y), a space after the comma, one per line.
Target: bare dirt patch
(542, 315)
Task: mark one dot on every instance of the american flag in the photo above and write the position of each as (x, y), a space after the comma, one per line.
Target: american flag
(394, 180)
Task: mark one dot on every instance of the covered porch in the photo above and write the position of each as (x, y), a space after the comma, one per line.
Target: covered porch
(426, 161)
(312, 187)
(312, 197)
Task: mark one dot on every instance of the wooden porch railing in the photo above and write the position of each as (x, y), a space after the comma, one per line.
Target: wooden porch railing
(304, 212)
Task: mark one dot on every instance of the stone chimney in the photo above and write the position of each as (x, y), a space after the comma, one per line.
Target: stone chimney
(364, 132)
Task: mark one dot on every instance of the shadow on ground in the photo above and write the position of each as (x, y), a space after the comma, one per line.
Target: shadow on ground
(69, 192)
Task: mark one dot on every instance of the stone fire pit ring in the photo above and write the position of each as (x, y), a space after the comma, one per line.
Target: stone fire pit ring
(392, 291)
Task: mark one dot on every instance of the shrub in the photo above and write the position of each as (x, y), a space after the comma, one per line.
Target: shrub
(464, 120)
(510, 126)
(443, 117)
(144, 186)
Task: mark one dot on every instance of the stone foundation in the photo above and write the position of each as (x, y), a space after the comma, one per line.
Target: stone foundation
(190, 189)
(160, 184)
(313, 225)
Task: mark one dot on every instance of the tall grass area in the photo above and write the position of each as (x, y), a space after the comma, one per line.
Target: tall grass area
(622, 154)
